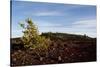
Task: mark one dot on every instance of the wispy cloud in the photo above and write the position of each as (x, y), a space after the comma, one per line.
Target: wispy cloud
(48, 13)
(87, 27)
(82, 27)
(44, 13)
(85, 23)
(47, 24)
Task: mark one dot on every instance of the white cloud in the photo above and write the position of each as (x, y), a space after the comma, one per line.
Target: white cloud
(85, 24)
(44, 13)
(46, 24)
(85, 27)
(48, 13)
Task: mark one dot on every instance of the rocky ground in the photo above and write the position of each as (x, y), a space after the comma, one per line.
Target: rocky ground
(60, 51)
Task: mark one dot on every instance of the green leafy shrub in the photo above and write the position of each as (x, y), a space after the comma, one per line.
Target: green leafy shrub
(31, 38)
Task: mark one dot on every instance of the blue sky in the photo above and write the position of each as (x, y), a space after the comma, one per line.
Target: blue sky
(53, 17)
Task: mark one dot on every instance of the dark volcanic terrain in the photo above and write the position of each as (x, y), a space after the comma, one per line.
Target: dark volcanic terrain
(64, 48)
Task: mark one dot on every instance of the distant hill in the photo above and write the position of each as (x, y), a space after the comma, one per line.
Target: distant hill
(53, 36)
(67, 36)
(16, 43)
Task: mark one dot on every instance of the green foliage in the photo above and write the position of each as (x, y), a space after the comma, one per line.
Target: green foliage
(31, 38)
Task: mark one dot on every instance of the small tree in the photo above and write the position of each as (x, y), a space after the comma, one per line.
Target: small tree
(31, 38)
